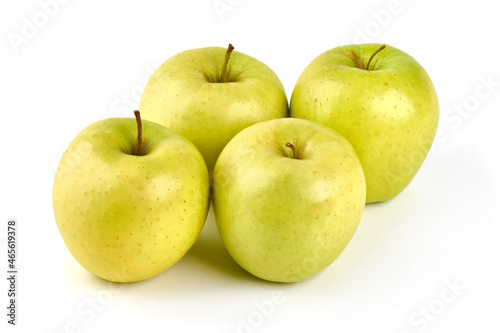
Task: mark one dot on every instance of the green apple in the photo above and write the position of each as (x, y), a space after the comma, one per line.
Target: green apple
(382, 101)
(129, 205)
(288, 195)
(210, 94)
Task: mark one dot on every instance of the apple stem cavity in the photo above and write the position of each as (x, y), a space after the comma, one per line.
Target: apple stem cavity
(292, 147)
(139, 132)
(373, 55)
(224, 73)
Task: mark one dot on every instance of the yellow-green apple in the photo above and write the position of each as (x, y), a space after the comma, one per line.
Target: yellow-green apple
(382, 101)
(210, 94)
(130, 198)
(288, 195)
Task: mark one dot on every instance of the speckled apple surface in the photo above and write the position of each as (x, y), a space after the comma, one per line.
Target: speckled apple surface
(389, 113)
(125, 217)
(283, 214)
(185, 94)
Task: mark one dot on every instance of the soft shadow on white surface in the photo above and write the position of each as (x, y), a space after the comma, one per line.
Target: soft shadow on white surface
(402, 256)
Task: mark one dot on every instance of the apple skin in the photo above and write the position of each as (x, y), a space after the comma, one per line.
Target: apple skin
(124, 217)
(183, 94)
(281, 218)
(389, 113)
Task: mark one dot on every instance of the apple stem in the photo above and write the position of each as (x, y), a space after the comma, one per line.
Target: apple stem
(139, 132)
(223, 72)
(373, 55)
(292, 147)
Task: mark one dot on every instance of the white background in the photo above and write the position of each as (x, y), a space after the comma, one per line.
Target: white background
(434, 249)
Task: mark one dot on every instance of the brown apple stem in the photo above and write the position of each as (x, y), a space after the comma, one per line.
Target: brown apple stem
(223, 72)
(292, 147)
(139, 132)
(373, 55)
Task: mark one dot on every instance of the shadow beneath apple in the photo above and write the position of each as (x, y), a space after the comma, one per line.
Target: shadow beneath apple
(207, 259)
(209, 250)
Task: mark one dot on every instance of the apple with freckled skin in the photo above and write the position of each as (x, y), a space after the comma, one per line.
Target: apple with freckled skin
(128, 206)
(288, 195)
(382, 101)
(210, 94)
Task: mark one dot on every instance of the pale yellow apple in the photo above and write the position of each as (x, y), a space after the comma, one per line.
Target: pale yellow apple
(386, 107)
(288, 196)
(126, 217)
(188, 95)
